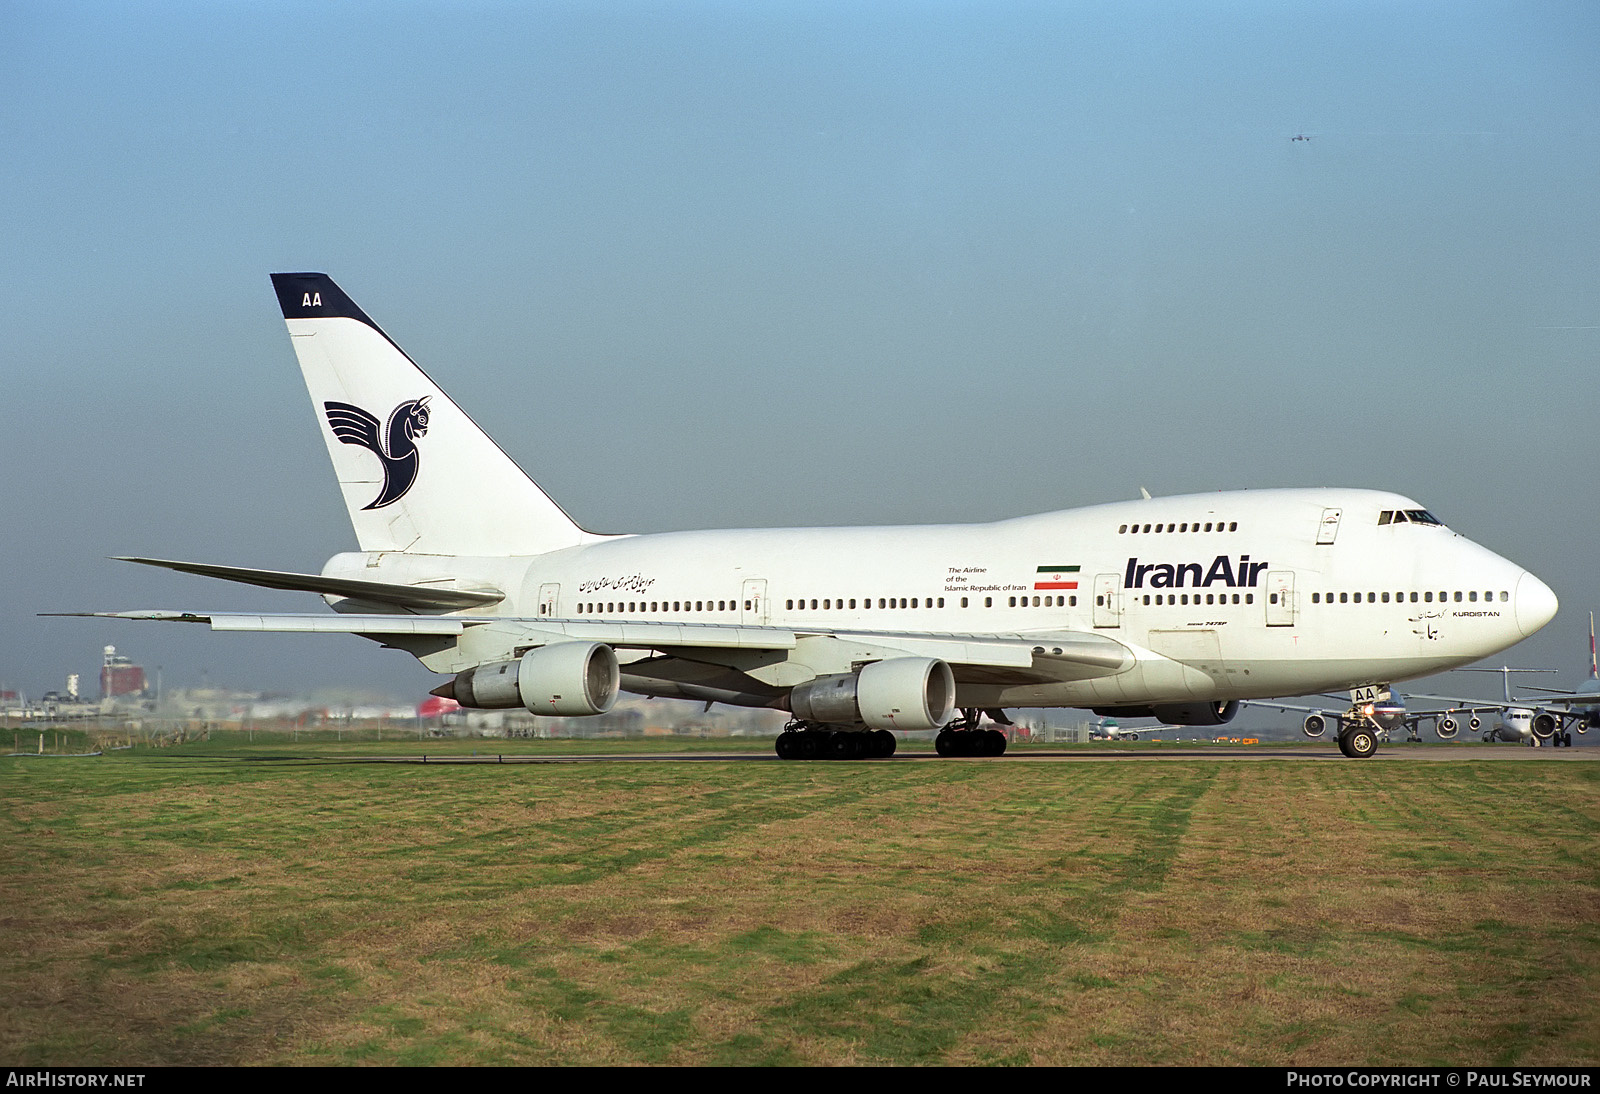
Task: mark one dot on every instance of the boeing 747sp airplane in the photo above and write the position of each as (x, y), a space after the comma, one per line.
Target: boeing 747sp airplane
(1175, 608)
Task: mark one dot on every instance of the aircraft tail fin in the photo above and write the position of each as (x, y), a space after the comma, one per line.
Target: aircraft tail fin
(418, 475)
(1594, 665)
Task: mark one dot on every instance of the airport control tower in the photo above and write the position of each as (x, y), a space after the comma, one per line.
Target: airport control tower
(120, 676)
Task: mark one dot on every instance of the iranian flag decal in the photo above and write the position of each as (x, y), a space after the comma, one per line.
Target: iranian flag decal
(1056, 577)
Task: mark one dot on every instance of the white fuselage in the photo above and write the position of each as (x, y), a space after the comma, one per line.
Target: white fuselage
(1516, 724)
(1219, 596)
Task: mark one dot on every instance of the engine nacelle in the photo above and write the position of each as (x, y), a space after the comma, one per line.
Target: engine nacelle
(1315, 725)
(1197, 714)
(1544, 725)
(900, 693)
(1447, 727)
(569, 678)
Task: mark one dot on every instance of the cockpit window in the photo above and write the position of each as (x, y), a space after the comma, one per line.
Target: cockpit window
(1408, 516)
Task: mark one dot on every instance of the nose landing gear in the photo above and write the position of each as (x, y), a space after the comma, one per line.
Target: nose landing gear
(1358, 742)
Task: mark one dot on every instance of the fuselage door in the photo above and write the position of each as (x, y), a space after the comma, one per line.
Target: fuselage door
(1328, 527)
(549, 595)
(1108, 600)
(753, 601)
(1280, 598)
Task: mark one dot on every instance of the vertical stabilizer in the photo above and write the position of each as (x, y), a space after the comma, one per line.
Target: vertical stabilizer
(418, 475)
(1594, 665)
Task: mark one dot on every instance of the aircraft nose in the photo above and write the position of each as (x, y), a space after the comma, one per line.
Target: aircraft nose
(1535, 604)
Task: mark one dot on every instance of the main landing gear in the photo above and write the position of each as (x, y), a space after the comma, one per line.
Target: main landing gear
(1358, 742)
(963, 737)
(803, 740)
(816, 741)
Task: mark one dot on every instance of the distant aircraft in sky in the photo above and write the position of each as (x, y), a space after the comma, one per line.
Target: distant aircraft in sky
(1174, 608)
(1299, 137)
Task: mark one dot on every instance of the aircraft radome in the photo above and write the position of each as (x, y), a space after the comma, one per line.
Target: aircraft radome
(1174, 607)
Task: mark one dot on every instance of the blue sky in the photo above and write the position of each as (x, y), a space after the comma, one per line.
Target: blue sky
(722, 264)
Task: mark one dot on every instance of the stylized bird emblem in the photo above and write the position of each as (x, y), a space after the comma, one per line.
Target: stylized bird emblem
(396, 449)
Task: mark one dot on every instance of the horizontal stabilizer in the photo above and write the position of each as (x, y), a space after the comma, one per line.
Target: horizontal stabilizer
(416, 597)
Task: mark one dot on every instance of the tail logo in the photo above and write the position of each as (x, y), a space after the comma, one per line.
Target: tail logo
(394, 445)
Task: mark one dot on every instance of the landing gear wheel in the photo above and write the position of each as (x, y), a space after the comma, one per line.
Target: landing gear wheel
(885, 742)
(784, 746)
(962, 737)
(843, 746)
(1358, 743)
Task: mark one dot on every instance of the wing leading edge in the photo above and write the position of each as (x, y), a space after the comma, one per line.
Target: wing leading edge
(1088, 654)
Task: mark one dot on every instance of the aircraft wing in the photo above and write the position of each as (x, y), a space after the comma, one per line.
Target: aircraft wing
(1468, 706)
(1568, 700)
(1271, 705)
(1082, 654)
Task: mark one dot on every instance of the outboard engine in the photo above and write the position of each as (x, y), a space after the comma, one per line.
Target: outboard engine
(571, 678)
(1315, 725)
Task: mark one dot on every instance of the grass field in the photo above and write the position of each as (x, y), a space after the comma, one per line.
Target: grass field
(204, 905)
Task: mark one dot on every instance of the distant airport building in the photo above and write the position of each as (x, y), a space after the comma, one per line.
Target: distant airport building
(120, 676)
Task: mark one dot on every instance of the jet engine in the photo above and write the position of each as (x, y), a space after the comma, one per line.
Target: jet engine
(900, 693)
(1197, 714)
(1315, 725)
(1447, 727)
(572, 678)
(1544, 725)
